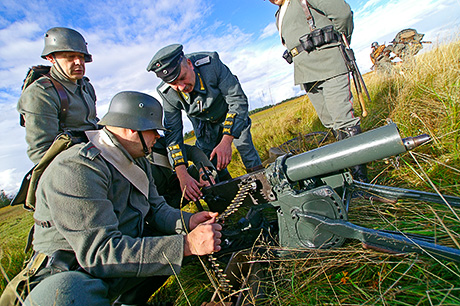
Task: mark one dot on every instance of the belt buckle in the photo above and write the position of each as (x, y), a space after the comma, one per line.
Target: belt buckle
(294, 52)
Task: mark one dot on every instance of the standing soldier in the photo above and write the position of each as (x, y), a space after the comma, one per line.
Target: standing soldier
(310, 31)
(212, 97)
(64, 99)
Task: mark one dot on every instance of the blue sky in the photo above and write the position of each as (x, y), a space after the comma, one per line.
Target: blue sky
(123, 35)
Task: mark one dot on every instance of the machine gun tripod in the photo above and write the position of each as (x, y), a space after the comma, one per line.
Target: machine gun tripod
(310, 194)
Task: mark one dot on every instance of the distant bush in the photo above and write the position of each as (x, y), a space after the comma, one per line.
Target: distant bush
(4, 199)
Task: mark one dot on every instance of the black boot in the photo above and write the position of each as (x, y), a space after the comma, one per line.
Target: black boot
(358, 172)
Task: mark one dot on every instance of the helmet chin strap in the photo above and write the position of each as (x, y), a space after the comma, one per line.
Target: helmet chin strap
(59, 66)
(144, 146)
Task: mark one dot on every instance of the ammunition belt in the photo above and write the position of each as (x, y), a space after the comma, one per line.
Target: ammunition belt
(243, 191)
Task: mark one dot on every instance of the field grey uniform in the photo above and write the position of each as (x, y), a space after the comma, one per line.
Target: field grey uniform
(94, 211)
(322, 72)
(40, 105)
(217, 106)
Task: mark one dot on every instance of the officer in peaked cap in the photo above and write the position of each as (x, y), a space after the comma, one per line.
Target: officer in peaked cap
(166, 63)
(207, 91)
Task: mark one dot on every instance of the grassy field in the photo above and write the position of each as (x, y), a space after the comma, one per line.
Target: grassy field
(15, 223)
(420, 97)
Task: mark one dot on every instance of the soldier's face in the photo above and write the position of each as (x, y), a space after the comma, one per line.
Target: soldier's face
(134, 144)
(73, 64)
(150, 138)
(186, 80)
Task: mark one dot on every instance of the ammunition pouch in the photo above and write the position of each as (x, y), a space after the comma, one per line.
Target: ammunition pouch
(287, 56)
(309, 42)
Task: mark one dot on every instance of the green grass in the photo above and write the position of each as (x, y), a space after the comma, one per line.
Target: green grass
(15, 223)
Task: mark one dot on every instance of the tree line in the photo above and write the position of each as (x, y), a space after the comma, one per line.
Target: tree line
(4, 199)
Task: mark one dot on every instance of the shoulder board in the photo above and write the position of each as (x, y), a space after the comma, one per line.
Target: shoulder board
(163, 87)
(203, 61)
(89, 151)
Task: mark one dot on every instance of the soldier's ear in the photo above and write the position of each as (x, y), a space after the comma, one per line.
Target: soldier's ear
(51, 59)
(190, 65)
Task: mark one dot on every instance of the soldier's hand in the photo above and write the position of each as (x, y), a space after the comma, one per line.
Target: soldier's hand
(202, 217)
(223, 152)
(204, 239)
(188, 184)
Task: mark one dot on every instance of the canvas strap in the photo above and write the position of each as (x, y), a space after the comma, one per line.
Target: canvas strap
(132, 172)
(16, 290)
(160, 160)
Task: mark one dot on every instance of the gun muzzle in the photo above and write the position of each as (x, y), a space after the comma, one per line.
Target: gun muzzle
(412, 142)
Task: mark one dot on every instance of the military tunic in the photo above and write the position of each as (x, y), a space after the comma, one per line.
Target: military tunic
(40, 105)
(216, 106)
(316, 70)
(98, 214)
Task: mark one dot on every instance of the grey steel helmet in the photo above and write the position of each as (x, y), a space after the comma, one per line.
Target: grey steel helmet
(374, 44)
(134, 110)
(65, 39)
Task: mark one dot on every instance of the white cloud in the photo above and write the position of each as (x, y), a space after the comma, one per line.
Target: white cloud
(269, 30)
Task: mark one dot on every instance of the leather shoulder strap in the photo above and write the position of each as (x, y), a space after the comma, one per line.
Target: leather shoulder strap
(305, 6)
(64, 99)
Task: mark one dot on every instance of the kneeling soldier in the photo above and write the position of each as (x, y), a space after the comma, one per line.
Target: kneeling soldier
(106, 233)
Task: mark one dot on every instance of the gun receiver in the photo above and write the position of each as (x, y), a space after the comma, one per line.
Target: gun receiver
(311, 192)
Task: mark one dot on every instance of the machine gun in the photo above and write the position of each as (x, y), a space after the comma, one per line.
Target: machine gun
(311, 193)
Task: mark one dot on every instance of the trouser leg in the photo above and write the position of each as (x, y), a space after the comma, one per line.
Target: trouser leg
(333, 102)
(247, 150)
(70, 288)
(141, 291)
(316, 97)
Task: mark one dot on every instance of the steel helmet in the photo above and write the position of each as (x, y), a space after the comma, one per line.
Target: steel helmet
(374, 44)
(134, 110)
(65, 39)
